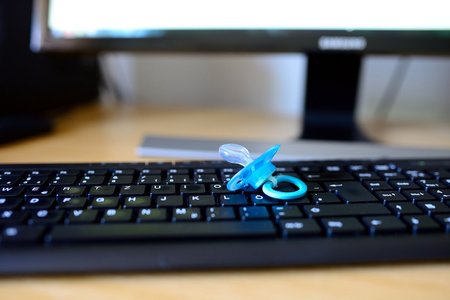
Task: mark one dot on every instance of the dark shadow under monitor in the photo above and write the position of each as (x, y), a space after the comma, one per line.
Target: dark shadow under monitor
(35, 88)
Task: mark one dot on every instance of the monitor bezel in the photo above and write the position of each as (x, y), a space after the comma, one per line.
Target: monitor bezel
(375, 41)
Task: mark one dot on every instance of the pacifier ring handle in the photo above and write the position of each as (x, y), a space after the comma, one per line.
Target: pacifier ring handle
(268, 187)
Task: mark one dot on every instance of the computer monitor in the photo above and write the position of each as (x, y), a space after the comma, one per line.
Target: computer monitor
(334, 34)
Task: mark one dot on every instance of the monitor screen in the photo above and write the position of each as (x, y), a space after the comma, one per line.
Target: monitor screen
(252, 25)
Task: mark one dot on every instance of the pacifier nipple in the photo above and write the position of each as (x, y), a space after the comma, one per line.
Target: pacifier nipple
(235, 154)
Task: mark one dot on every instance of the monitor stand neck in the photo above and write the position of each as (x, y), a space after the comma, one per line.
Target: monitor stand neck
(330, 100)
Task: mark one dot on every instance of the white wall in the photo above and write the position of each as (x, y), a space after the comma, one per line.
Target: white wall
(274, 82)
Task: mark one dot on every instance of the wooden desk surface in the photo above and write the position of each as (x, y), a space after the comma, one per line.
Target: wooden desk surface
(96, 133)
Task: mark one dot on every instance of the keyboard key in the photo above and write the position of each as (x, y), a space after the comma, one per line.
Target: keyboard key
(286, 212)
(63, 180)
(390, 196)
(403, 208)
(233, 199)
(433, 207)
(130, 172)
(129, 232)
(117, 215)
(39, 203)
(151, 172)
(71, 202)
(342, 226)
(219, 189)
(357, 168)
(420, 223)
(39, 191)
(377, 185)
(441, 194)
(82, 216)
(96, 172)
(205, 171)
(383, 167)
(8, 180)
(132, 190)
(149, 179)
(201, 200)
(366, 175)
(69, 172)
(180, 171)
(105, 202)
(9, 217)
(384, 224)
(416, 174)
(102, 190)
(314, 187)
(438, 173)
(11, 173)
(220, 214)
(187, 189)
(162, 190)
(186, 214)
(430, 184)
(444, 220)
(351, 192)
(205, 178)
(46, 217)
(253, 212)
(152, 215)
(34, 180)
(327, 176)
(262, 200)
(92, 180)
(392, 175)
(356, 209)
(300, 227)
(121, 180)
(332, 168)
(8, 191)
(402, 185)
(9, 203)
(319, 198)
(164, 201)
(22, 234)
(70, 191)
(176, 179)
(418, 195)
(136, 202)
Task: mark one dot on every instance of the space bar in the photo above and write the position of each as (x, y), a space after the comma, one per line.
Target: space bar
(129, 232)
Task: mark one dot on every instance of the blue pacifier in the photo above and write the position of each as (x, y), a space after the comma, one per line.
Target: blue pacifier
(259, 172)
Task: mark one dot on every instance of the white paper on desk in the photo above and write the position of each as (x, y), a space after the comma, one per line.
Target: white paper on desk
(207, 149)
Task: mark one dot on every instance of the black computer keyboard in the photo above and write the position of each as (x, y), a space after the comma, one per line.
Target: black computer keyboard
(129, 217)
